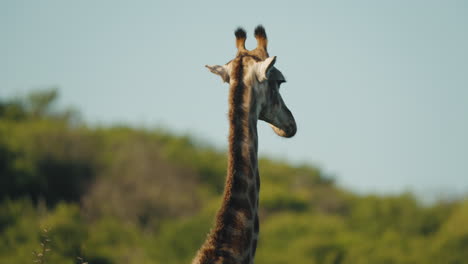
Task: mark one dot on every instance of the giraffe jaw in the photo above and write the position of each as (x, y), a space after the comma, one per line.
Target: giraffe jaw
(287, 132)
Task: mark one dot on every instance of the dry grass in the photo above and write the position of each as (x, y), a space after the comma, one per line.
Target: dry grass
(40, 256)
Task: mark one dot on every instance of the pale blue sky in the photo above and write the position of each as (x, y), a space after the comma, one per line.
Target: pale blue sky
(379, 88)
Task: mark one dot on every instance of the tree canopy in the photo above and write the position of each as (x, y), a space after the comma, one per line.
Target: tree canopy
(75, 193)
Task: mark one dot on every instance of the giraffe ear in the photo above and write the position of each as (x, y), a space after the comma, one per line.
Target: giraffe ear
(262, 68)
(222, 71)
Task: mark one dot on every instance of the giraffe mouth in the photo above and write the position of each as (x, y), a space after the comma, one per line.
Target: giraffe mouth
(287, 131)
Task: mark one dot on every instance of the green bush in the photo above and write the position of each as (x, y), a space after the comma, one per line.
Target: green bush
(128, 195)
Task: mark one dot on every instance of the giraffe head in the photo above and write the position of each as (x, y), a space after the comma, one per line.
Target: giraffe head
(262, 81)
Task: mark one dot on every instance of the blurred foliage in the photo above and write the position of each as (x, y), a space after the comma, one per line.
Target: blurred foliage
(127, 195)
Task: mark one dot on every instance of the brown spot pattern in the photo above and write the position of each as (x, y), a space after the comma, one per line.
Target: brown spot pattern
(234, 236)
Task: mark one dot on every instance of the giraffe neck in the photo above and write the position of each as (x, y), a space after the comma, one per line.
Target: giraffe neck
(234, 237)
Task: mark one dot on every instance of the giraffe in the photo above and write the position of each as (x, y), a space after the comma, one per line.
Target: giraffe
(253, 95)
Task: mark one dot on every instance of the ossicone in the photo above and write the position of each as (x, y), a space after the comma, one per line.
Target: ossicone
(261, 37)
(240, 38)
